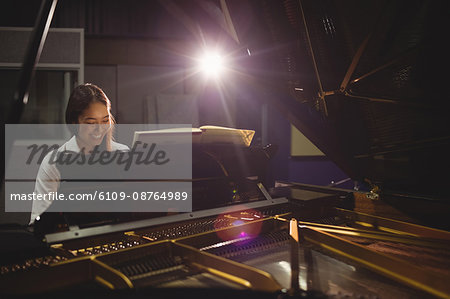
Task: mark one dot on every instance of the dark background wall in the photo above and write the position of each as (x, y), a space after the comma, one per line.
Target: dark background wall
(136, 50)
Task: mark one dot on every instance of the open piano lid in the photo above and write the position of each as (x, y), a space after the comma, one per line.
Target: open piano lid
(362, 80)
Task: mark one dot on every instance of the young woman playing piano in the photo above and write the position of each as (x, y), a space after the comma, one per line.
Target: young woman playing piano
(89, 117)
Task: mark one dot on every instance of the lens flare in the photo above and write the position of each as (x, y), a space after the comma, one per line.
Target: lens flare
(212, 64)
(238, 225)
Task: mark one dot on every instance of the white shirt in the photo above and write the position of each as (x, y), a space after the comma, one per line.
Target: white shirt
(48, 176)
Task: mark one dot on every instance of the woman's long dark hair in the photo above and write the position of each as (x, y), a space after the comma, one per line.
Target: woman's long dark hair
(80, 99)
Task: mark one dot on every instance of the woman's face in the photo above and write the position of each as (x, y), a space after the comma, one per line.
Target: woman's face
(94, 123)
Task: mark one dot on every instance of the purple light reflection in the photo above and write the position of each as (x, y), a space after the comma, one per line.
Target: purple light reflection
(237, 222)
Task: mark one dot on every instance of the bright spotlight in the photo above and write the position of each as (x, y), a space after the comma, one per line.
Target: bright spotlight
(212, 64)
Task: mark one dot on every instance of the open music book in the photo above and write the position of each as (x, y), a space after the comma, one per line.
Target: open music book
(205, 135)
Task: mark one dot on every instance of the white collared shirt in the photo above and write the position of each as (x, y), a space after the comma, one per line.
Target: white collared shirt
(48, 176)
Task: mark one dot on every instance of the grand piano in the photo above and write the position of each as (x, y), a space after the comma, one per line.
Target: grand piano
(364, 81)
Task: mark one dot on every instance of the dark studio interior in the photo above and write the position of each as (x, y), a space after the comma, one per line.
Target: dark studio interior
(317, 165)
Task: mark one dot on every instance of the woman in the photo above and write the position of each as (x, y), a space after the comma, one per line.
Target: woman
(88, 115)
